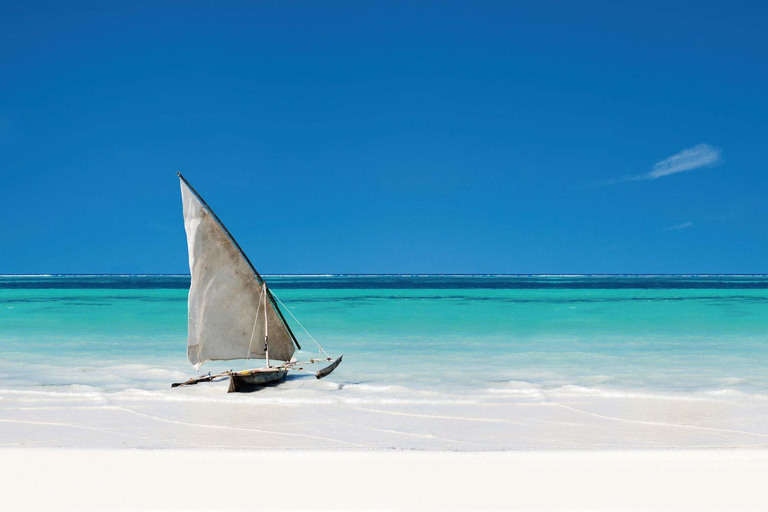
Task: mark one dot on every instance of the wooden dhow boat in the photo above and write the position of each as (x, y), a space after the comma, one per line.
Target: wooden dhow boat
(232, 313)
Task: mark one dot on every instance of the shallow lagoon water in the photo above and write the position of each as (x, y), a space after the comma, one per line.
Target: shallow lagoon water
(419, 347)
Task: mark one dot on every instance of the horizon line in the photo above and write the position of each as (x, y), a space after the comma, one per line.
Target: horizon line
(409, 274)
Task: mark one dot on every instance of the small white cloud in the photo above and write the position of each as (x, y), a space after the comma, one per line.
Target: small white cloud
(678, 227)
(701, 155)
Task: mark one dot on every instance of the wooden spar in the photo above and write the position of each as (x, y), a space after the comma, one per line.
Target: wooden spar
(242, 253)
(221, 224)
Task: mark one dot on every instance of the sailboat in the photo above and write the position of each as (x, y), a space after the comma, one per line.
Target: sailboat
(232, 313)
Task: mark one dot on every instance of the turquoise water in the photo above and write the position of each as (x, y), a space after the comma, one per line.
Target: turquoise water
(665, 333)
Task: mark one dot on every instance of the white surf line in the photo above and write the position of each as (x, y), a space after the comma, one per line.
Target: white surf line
(661, 423)
(60, 407)
(222, 427)
(56, 424)
(485, 420)
(423, 436)
(264, 447)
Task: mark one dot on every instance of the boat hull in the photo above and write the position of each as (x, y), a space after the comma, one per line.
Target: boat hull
(251, 380)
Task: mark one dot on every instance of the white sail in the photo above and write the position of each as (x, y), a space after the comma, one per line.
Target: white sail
(227, 297)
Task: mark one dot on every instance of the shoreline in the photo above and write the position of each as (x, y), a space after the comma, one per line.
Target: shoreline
(78, 479)
(305, 414)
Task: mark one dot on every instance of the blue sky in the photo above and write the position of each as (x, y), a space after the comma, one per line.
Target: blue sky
(387, 137)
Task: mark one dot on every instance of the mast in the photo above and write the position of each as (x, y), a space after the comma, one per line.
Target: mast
(266, 328)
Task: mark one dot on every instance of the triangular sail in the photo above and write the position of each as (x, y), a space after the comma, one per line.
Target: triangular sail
(227, 296)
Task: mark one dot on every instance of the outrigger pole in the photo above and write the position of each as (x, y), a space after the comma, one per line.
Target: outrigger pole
(195, 380)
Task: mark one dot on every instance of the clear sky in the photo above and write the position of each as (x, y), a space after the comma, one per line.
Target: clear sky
(387, 137)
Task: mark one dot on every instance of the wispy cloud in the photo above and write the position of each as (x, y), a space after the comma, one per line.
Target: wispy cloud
(701, 155)
(678, 227)
(724, 216)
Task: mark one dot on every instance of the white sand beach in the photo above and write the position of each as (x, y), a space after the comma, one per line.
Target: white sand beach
(154, 480)
(307, 414)
(288, 448)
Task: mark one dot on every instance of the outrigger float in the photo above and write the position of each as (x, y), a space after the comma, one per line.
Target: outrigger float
(231, 309)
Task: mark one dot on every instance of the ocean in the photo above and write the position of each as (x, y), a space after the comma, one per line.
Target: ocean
(478, 346)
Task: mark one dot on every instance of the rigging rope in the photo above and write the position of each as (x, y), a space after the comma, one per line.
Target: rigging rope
(300, 324)
(255, 320)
